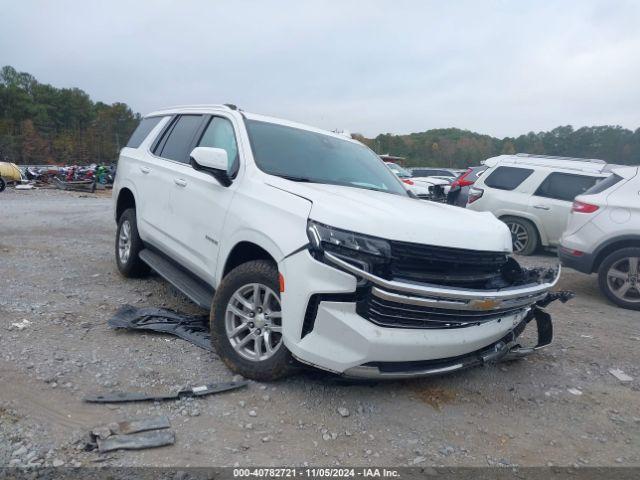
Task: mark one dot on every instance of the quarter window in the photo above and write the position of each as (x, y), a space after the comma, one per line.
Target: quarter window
(565, 186)
(141, 132)
(507, 178)
(219, 134)
(180, 138)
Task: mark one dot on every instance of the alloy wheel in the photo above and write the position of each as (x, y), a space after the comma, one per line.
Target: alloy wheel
(519, 236)
(623, 279)
(253, 322)
(124, 242)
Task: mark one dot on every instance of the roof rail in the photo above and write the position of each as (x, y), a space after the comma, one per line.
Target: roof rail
(230, 106)
(553, 157)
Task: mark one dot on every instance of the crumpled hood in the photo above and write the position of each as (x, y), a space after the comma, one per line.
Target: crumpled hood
(396, 217)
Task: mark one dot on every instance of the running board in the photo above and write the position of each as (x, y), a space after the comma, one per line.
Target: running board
(186, 282)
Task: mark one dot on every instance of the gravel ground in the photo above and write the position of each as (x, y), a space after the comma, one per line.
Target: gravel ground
(560, 406)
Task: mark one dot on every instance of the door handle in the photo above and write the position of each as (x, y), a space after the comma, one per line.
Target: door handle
(145, 169)
(542, 207)
(180, 182)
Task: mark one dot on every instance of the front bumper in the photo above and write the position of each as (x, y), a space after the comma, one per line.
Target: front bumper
(342, 341)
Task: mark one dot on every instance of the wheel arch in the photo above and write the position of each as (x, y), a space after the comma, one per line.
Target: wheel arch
(126, 200)
(610, 246)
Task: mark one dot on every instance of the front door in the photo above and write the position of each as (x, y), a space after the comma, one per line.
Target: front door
(201, 203)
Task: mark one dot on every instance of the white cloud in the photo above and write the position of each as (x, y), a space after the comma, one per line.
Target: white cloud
(495, 67)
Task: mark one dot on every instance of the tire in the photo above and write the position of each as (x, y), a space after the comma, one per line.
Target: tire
(3, 184)
(524, 235)
(245, 351)
(620, 271)
(127, 237)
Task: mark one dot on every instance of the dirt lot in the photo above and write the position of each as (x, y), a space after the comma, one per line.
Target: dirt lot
(57, 271)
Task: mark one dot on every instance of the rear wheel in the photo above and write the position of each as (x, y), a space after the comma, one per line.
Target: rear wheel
(524, 235)
(619, 278)
(3, 184)
(128, 246)
(246, 323)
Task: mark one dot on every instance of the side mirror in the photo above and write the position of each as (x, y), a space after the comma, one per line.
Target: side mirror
(213, 161)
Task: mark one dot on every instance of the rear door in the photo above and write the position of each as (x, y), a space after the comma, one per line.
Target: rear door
(552, 200)
(170, 153)
(201, 202)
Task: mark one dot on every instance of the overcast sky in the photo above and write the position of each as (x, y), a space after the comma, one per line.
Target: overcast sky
(496, 67)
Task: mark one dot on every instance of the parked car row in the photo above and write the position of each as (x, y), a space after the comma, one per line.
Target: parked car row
(588, 209)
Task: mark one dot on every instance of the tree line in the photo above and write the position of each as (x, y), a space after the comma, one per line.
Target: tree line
(452, 147)
(42, 124)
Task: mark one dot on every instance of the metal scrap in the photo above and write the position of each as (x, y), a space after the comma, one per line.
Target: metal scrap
(137, 441)
(198, 391)
(194, 329)
(136, 434)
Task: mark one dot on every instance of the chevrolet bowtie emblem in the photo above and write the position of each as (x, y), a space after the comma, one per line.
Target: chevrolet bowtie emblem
(486, 304)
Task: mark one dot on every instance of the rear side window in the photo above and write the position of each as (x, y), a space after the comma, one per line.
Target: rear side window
(507, 178)
(565, 186)
(179, 138)
(140, 133)
(603, 185)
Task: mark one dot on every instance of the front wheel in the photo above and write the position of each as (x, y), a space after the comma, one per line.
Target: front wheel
(246, 323)
(619, 278)
(3, 184)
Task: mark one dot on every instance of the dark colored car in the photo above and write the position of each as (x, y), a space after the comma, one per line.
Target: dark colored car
(460, 187)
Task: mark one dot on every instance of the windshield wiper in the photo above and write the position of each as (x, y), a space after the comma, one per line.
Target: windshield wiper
(293, 178)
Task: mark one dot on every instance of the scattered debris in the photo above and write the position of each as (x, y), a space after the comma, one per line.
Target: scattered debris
(199, 391)
(574, 391)
(193, 329)
(343, 411)
(131, 435)
(137, 441)
(21, 325)
(620, 375)
(25, 187)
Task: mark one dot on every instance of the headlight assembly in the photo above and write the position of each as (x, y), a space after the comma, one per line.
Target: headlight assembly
(368, 253)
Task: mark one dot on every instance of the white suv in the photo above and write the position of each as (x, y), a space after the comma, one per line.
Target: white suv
(533, 194)
(304, 245)
(603, 235)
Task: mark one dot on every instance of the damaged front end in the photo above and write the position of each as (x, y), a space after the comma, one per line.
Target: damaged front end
(430, 287)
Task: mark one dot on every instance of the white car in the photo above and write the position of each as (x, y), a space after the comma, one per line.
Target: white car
(427, 188)
(533, 195)
(603, 236)
(304, 245)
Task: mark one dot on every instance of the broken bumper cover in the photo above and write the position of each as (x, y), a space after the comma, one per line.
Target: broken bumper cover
(336, 336)
(506, 348)
(450, 298)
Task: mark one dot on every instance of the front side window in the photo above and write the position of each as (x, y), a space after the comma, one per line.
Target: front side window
(305, 156)
(565, 186)
(179, 138)
(507, 178)
(219, 134)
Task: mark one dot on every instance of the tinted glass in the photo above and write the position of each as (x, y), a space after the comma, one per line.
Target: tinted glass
(604, 184)
(565, 186)
(219, 134)
(140, 133)
(307, 156)
(507, 178)
(180, 138)
(421, 172)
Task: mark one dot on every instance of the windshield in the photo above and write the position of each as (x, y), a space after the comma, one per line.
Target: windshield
(305, 156)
